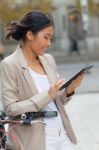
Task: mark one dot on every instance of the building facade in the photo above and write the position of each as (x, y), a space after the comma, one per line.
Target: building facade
(60, 17)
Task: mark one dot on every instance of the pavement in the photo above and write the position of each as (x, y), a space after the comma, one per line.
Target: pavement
(83, 113)
(84, 106)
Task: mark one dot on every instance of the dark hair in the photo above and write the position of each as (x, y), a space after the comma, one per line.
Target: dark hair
(33, 21)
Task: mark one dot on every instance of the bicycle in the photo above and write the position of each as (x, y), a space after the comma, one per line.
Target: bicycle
(3, 133)
(25, 119)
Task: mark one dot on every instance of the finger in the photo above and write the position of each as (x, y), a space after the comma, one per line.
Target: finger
(82, 76)
(75, 84)
(59, 83)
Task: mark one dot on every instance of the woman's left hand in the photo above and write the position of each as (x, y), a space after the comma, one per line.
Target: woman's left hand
(74, 84)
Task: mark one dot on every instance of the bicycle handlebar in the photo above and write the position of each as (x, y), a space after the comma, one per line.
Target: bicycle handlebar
(5, 120)
(27, 118)
(22, 122)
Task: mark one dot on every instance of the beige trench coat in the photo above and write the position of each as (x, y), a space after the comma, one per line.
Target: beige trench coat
(20, 95)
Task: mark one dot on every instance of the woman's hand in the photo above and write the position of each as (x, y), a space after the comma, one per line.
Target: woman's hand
(54, 89)
(74, 84)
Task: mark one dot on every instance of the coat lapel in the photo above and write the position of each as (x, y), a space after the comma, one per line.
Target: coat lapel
(48, 69)
(25, 71)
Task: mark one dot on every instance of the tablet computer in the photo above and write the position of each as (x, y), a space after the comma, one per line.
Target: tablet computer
(84, 70)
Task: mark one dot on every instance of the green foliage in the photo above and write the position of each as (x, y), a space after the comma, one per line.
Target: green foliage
(92, 7)
(9, 11)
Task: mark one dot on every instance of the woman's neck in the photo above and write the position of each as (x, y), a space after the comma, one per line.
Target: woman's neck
(29, 54)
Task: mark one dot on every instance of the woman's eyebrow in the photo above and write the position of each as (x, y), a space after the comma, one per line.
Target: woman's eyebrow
(48, 34)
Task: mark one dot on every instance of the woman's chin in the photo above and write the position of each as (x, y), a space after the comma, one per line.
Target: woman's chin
(42, 53)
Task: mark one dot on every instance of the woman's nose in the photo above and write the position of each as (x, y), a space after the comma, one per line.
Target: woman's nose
(49, 43)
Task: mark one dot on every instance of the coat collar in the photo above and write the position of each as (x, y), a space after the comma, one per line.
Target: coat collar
(21, 58)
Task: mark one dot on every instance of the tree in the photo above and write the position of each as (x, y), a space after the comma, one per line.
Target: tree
(10, 11)
(93, 7)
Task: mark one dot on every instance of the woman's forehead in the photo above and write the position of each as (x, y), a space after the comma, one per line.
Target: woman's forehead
(48, 30)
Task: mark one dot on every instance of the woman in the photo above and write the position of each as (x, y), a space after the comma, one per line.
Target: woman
(73, 32)
(30, 83)
(1, 51)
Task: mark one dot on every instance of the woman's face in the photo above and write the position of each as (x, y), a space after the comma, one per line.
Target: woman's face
(41, 41)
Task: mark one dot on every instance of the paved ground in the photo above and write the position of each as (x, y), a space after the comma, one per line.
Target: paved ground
(84, 106)
(83, 112)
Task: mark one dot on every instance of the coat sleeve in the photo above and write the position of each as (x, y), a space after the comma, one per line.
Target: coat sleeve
(63, 96)
(12, 104)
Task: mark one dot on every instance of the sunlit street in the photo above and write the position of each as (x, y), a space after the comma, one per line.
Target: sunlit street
(83, 112)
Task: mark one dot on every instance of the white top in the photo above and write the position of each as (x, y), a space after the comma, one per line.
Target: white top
(42, 84)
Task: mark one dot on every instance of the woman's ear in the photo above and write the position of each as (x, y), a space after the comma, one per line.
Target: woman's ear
(29, 35)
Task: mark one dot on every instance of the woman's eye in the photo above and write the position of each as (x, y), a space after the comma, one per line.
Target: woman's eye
(46, 37)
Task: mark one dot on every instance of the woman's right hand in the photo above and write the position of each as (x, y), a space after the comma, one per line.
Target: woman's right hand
(54, 88)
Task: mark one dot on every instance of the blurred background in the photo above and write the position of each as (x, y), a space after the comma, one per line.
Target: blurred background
(75, 45)
(84, 26)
